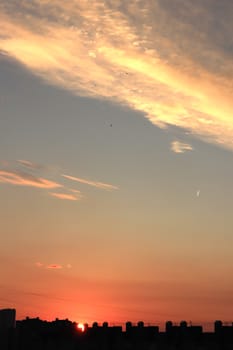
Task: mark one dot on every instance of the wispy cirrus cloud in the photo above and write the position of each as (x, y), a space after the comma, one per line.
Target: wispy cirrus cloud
(74, 190)
(97, 184)
(30, 165)
(180, 147)
(25, 179)
(66, 196)
(139, 53)
(27, 175)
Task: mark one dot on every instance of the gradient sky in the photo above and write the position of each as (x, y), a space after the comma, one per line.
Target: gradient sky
(116, 163)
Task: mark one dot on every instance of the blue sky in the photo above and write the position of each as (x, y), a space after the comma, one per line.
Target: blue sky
(116, 158)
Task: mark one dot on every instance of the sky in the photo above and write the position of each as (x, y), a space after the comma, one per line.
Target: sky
(116, 160)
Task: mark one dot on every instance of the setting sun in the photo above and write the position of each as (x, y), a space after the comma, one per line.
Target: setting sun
(81, 327)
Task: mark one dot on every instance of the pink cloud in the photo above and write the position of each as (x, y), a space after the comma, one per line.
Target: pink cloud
(66, 196)
(23, 179)
(54, 266)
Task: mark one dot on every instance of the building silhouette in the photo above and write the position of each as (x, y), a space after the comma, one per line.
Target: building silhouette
(7, 318)
(36, 334)
(7, 329)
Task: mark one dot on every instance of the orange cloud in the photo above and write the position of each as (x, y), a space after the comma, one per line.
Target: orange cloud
(23, 179)
(97, 184)
(131, 57)
(65, 196)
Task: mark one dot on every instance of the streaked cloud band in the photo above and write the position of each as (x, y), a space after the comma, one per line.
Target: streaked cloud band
(97, 184)
(25, 179)
(66, 196)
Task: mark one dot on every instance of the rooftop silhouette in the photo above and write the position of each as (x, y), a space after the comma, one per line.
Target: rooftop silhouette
(34, 333)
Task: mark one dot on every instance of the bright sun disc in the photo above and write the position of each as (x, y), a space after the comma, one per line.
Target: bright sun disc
(81, 327)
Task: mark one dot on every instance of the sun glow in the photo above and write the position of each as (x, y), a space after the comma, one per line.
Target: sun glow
(81, 327)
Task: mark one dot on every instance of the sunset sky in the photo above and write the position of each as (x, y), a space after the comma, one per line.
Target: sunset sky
(116, 162)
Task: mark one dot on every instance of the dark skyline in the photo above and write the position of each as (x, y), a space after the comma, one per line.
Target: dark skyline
(33, 333)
